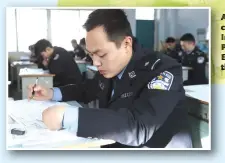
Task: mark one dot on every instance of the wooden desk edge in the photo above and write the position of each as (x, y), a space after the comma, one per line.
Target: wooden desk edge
(37, 75)
(91, 144)
(203, 102)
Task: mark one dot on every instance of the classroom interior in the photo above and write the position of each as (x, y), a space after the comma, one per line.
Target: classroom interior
(150, 26)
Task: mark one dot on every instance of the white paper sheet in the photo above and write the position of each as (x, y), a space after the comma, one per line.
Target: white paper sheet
(29, 112)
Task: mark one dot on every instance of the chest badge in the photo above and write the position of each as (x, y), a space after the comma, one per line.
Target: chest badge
(132, 74)
(200, 60)
(101, 85)
(126, 95)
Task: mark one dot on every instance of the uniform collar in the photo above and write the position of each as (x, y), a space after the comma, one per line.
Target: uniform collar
(121, 73)
(189, 52)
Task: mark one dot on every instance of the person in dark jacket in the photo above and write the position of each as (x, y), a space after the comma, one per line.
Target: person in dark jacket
(59, 62)
(79, 52)
(194, 58)
(140, 93)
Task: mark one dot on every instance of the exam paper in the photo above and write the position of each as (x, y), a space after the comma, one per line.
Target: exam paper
(28, 116)
(29, 111)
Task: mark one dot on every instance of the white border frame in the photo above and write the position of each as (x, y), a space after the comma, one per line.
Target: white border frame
(73, 8)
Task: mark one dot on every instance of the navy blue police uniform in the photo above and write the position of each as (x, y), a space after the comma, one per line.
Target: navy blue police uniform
(197, 60)
(66, 71)
(146, 109)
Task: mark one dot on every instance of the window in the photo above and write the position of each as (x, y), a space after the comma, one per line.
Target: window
(64, 27)
(145, 13)
(11, 30)
(31, 26)
(25, 26)
(83, 17)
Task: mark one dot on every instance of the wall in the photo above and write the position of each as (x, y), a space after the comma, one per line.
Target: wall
(176, 22)
(145, 33)
(131, 15)
(191, 20)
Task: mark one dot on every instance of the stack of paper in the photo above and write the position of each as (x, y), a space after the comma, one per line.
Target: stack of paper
(28, 116)
(32, 71)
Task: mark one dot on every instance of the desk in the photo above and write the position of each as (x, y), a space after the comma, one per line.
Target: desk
(82, 65)
(57, 139)
(185, 71)
(199, 92)
(91, 70)
(15, 69)
(45, 80)
(198, 109)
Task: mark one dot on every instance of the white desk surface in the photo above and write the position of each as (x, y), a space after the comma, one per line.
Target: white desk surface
(22, 63)
(33, 71)
(78, 142)
(80, 61)
(94, 68)
(186, 68)
(200, 92)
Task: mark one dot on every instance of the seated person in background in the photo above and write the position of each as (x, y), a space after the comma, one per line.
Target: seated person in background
(140, 93)
(83, 46)
(171, 48)
(33, 57)
(37, 59)
(79, 53)
(193, 57)
(59, 62)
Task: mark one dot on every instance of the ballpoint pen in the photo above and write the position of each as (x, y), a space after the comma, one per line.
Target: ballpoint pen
(33, 92)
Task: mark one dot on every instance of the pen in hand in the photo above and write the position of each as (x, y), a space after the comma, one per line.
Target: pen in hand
(33, 92)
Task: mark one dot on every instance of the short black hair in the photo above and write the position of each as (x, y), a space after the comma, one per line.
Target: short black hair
(31, 47)
(82, 41)
(170, 40)
(73, 41)
(41, 46)
(187, 37)
(114, 22)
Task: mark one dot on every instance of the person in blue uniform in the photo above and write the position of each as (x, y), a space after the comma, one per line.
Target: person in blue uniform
(59, 62)
(172, 49)
(140, 93)
(193, 57)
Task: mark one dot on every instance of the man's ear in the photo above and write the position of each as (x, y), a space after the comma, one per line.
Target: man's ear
(128, 41)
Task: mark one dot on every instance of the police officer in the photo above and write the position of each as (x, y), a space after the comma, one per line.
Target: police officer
(82, 44)
(59, 62)
(193, 57)
(172, 49)
(170, 44)
(140, 93)
(79, 53)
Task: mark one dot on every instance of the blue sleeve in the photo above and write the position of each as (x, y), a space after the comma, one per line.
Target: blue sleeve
(70, 119)
(57, 95)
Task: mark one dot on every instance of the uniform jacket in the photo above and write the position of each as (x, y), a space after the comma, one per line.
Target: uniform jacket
(197, 61)
(66, 71)
(147, 107)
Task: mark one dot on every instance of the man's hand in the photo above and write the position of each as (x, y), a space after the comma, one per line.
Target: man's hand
(40, 92)
(53, 117)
